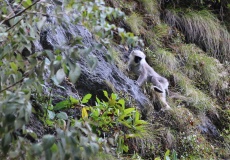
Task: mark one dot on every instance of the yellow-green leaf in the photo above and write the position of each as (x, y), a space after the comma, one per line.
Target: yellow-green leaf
(26, 3)
(84, 113)
(14, 66)
(86, 98)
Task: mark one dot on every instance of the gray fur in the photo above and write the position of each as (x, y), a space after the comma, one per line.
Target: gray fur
(147, 73)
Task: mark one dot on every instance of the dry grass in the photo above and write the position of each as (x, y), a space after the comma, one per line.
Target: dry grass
(204, 29)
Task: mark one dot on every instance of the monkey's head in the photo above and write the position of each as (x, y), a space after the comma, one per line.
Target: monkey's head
(136, 56)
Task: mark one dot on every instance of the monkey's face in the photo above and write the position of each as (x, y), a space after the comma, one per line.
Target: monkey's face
(135, 57)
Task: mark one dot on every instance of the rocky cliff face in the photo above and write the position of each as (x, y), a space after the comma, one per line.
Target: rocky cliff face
(107, 76)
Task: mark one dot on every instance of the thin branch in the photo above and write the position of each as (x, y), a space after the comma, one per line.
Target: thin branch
(14, 25)
(19, 13)
(12, 85)
(43, 14)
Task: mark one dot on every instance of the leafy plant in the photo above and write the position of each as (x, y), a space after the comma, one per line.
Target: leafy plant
(112, 116)
(24, 70)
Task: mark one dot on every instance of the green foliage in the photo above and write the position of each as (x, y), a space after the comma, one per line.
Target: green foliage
(106, 116)
(77, 139)
(111, 115)
(167, 155)
(76, 142)
(22, 69)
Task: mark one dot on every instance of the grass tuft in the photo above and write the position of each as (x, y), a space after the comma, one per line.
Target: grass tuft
(195, 98)
(135, 22)
(163, 61)
(205, 70)
(204, 29)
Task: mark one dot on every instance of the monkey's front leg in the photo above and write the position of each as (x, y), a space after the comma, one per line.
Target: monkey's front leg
(142, 78)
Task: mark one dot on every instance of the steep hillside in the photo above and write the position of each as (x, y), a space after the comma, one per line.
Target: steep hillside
(65, 92)
(189, 45)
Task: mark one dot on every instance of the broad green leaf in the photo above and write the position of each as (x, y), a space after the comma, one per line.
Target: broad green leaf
(125, 123)
(86, 98)
(14, 154)
(60, 75)
(122, 102)
(51, 114)
(3, 36)
(62, 115)
(36, 148)
(113, 96)
(98, 100)
(128, 110)
(125, 148)
(41, 23)
(85, 52)
(61, 123)
(174, 155)
(74, 74)
(6, 140)
(167, 153)
(47, 141)
(26, 3)
(14, 66)
(30, 132)
(106, 94)
(126, 113)
(92, 62)
(54, 148)
(49, 122)
(137, 117)
(49, 54)
(73, 100)
(62, 105)
(140, 122)
(19, 123)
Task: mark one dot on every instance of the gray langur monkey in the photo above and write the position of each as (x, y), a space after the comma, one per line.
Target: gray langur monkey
(141, 68)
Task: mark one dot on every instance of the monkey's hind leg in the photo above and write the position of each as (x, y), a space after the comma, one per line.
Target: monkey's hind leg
(162, 97)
